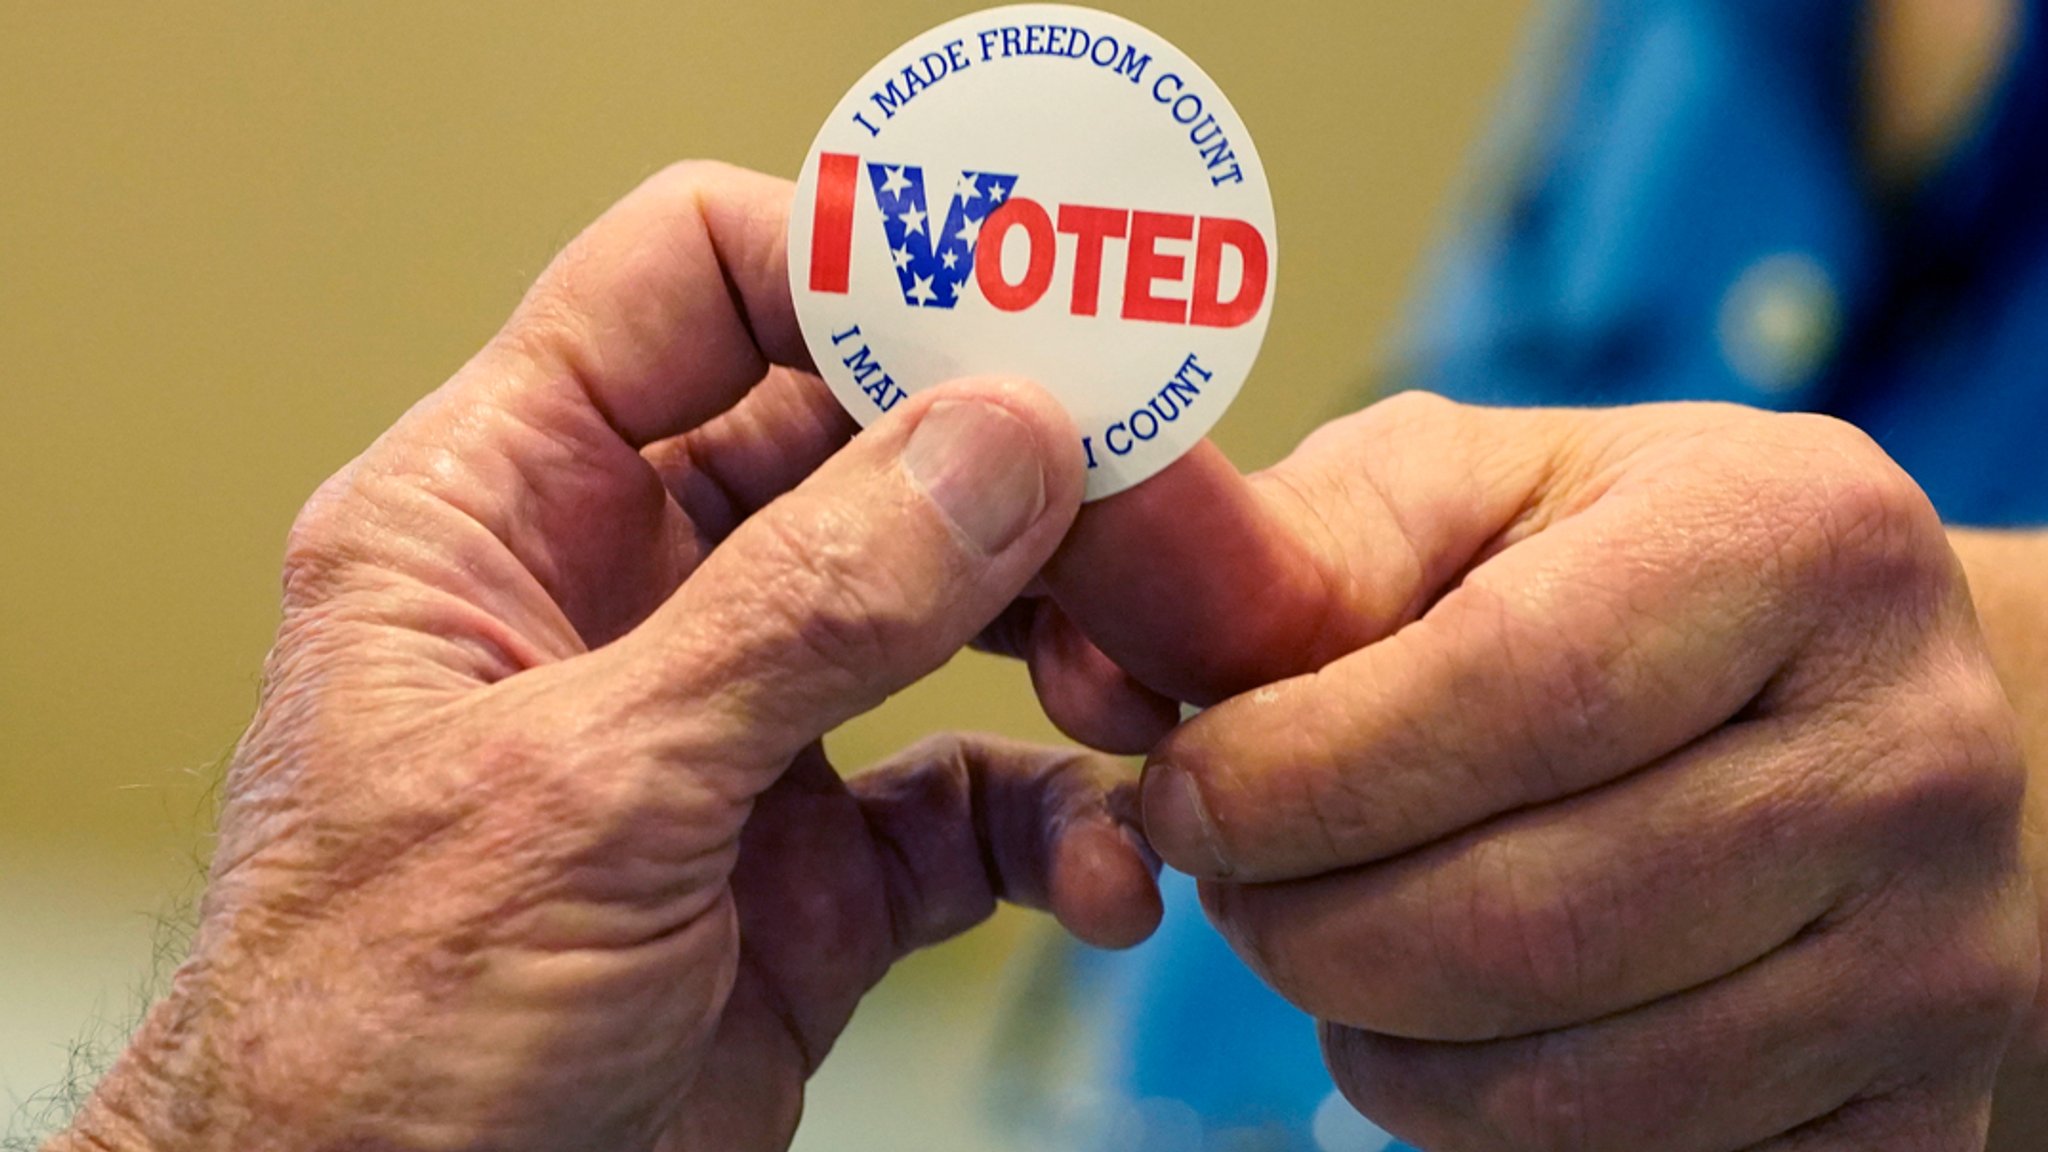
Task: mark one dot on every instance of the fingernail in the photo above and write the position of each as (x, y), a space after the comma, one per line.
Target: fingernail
(1178, 823)
(981, 466)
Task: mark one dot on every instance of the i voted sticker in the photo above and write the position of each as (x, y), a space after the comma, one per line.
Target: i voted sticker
(1044, 191)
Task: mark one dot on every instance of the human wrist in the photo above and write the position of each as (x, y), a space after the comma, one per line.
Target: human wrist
(138, 1106)
(171, 1091)
(100, 1129)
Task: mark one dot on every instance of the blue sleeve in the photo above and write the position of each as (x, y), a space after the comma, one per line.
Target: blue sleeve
(1675, 211)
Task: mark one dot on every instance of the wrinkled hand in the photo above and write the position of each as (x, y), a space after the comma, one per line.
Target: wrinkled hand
(1622, 780)
(532, 845)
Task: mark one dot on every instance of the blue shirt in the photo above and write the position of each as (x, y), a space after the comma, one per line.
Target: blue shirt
(1688, 215)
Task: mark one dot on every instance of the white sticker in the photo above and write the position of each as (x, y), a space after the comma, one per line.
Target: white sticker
(1044, 191)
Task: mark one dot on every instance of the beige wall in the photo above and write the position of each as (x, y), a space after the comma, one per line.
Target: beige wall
(237, 239)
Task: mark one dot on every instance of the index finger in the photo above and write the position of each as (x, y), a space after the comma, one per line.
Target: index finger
(1588, 651)
(665, 311)
(1203, 583)
(523, 474)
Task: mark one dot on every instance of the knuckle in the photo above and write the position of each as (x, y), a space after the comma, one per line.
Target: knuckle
(1563, 681)
(838, 623)
(1238, 919)
(1959, 986)
(949, 754)
(1522, 939)
(1410, 410)
(1986, 763)
(548, 329)
(1577, 685)
(818, 592)
(1334, 824)
(1314, 788)
(1532, 1095)
(322, 539)
(1956, 776)
(933, 777)
(1986, 990)
(1541, 1101)
(1856, 520)
(1953, 929)
(552, 330)
(1374, 1078)
(1286, 960)
(1351, 1064)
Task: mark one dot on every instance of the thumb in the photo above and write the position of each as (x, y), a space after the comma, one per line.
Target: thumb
(1198, 584)
(863, 579)
(1202, 583)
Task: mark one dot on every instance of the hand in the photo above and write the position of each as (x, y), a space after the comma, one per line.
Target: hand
(532, 844)
(1602, 780)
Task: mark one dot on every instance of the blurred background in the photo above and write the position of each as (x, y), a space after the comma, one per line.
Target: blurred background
(238, 239)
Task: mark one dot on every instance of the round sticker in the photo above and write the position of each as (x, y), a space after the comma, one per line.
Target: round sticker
(1044, 191)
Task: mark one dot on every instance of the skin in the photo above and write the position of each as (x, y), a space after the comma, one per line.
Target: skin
(1611, 780)
(1630, 779)
(1599, 780)
(532, 844)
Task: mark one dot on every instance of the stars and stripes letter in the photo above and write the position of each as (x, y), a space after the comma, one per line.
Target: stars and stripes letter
(934, 255)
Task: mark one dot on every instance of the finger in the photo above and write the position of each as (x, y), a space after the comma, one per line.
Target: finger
(1009, 634)
(1952, 1118)
(1771, 1049)
(662, 313)
(1203, 584)
(728, 469)
(1085, 695)
(1587, 907)
(1088, 696)
(1552, 668)
(517, 487)
(962, 822)
(838, 880)
(1195, 543)
(862, 580)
